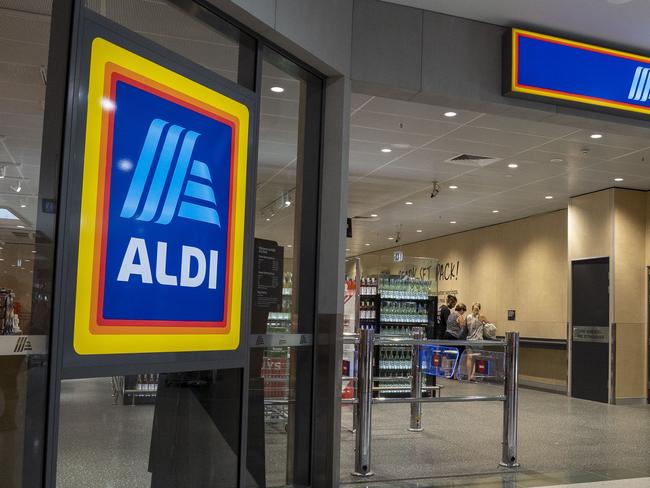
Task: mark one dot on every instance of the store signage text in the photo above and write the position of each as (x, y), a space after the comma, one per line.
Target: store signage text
(448, 271)
(562, 69)
(161, 241)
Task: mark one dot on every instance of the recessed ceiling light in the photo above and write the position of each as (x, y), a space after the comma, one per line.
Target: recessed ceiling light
(419, 230)
(408, 203)
(495, 211)
(450, 114)
(452, 221)
(391, 238)
(557, 160)
(618, 180)
(513, 165)
(347, 250)
(453, 187)
(268, 219)
(386, 150)
(33, 252)
(287, 203)
(23, 205)
(2, 259)
(374, 215)
(367, 244)
(549, 197)
(20, 226)
(277, 89)
(596, 136)
(289, 245)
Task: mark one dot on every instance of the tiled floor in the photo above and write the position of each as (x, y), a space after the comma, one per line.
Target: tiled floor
(561, 441)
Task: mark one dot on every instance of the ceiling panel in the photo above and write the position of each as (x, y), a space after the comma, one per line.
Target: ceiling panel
(552, 160)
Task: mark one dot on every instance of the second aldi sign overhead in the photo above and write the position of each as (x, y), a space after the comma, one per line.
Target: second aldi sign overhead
(552, 67)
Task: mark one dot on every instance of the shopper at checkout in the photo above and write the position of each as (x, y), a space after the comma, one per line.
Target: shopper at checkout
(456, 323)
(443, 315)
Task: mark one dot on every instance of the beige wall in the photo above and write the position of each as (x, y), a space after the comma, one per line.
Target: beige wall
(630, 293)
(518, 265)
(590, 221)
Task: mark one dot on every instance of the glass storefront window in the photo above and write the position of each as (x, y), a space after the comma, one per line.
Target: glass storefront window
(25, 267)
(281, 376)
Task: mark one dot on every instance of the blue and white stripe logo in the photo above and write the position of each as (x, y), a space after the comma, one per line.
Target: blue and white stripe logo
(160, 208)
(640, 89)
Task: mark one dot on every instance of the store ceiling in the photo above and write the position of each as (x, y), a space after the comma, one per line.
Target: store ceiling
(419, 136)
(620, 22)
(552, 161)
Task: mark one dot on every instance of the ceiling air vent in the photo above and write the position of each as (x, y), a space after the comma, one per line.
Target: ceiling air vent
(20, 235)
(472, 160)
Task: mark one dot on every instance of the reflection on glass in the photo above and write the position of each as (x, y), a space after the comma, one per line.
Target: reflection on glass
(150, 430)
(24, 325)
(280, 377)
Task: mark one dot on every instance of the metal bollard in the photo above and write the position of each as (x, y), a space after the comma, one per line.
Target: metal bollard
(511, 403)
(364, 407)
(416, 382)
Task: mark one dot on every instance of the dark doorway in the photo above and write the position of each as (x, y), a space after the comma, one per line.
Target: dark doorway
(590, 334)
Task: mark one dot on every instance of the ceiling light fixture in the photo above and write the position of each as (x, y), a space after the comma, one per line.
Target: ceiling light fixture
(347, 250)
(268, 219)
(18, 188)
(391, 238)
(289, 245)
(408, 203)
(596, 136)
(495, 211)
(452, 221)
(3, 171)
(277, 89)
(557, 160)
(618, 180)
(20, 226)
(450, 114)
(23, 205)
(549, 197)
(34, 252)
(367, 244)
(513, 165)
(386, 150)
(287, 203)
(453, 187)
(419, 231)
(374, 215)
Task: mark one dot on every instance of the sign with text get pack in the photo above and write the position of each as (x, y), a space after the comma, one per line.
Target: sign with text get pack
(162, 211)
(540, 65)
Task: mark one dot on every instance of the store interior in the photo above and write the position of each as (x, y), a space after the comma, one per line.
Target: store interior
(492, 204)
(501, 202)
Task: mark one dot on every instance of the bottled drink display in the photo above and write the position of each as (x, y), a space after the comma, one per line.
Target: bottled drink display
(404, 287)
(404, 312)
(368, 286)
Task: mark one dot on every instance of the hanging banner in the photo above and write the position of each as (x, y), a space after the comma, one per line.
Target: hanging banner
(538, 65)
(162, 213)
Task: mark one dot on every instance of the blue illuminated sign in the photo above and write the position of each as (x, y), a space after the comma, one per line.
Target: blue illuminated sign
(558, 68)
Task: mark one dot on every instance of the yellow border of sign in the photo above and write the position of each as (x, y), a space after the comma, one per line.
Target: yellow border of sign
(565, 96)
(85, 342)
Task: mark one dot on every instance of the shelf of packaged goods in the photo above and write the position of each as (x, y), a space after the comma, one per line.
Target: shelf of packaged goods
(408, 324)
(392, 378)
(404, 299)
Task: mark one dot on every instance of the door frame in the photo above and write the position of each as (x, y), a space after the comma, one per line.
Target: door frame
(321, 209)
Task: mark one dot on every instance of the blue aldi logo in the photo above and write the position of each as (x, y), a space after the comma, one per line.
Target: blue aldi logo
(162, 214)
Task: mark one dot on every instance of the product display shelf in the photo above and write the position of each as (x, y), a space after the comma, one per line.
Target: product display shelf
(403, 304)
(138, 389)
(275, 362)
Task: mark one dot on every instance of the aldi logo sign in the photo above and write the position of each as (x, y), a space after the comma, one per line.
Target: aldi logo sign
(540, 65)
(162, 217)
